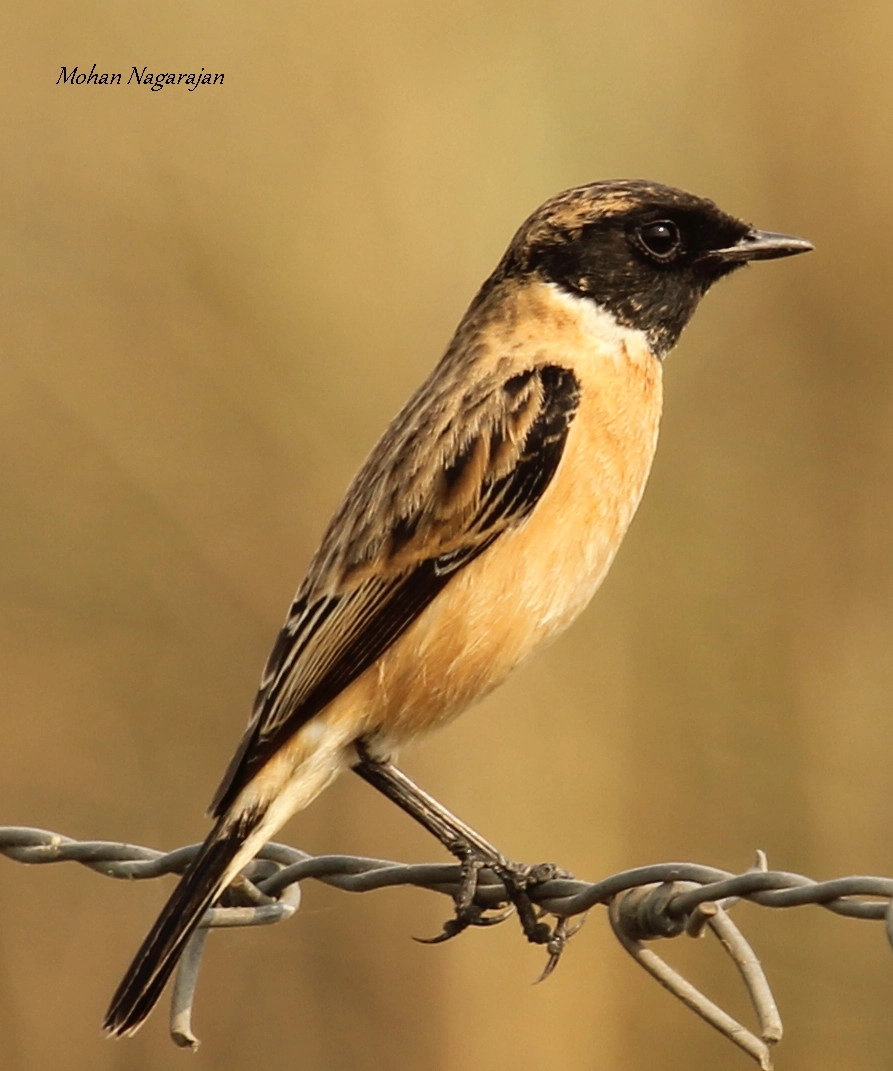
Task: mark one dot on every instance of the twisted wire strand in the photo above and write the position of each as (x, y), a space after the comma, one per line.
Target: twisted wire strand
(646, 903)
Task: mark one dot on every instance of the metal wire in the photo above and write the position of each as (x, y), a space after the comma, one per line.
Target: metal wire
(645, 904)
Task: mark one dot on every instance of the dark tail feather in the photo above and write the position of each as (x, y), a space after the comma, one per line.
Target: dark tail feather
(160, 952)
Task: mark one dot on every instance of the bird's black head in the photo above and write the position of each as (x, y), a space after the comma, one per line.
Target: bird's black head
(645, 252)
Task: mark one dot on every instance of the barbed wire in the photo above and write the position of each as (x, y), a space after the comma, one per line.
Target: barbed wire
(644, 904)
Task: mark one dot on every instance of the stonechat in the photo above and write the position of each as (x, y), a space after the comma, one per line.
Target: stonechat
(480, 525)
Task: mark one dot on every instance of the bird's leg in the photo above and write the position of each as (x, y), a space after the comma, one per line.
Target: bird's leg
(468, 846)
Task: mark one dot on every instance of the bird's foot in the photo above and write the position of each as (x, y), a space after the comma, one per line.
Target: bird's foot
(519, 879)
(467, 911)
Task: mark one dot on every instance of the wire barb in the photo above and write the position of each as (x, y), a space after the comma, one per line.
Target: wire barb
(644, 905)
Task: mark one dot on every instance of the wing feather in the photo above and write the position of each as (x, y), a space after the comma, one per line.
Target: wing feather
(385, 558)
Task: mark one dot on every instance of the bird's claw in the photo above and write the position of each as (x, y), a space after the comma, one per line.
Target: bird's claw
(556, 944)
(468, 913)
(517, 878)
(473, 916)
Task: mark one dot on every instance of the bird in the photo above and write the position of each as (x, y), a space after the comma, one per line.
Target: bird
(478, 528)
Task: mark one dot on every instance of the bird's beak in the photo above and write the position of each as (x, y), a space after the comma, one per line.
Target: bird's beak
(761, 245)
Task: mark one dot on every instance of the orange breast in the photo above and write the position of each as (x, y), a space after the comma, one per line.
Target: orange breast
(533, 581)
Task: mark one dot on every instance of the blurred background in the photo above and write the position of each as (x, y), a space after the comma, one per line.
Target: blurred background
(213, 304)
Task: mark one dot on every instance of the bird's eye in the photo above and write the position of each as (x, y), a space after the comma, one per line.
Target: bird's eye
(660, 239)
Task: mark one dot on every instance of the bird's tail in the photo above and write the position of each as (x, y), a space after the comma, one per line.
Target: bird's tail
(218, 861)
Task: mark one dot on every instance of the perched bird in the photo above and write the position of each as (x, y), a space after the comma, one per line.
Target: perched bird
(479, 526)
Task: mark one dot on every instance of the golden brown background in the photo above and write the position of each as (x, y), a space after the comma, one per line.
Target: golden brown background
(214, 302)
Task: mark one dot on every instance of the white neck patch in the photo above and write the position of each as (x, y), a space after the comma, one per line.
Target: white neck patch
(603, 326)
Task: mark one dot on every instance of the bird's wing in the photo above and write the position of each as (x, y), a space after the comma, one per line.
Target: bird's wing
(410, 522)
